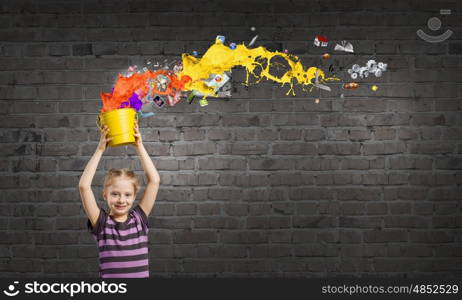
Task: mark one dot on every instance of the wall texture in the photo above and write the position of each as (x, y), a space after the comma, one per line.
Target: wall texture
(262, 185)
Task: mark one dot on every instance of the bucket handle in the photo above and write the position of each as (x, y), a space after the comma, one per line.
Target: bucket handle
(98, 122)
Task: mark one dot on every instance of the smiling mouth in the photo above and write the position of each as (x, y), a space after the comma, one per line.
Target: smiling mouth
(120, 206)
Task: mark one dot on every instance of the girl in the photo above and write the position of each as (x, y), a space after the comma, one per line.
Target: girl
(122, 233)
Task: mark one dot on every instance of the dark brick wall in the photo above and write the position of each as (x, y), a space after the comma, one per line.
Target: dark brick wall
(261, 185)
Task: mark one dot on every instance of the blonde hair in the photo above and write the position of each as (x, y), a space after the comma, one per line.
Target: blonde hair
(114, 173)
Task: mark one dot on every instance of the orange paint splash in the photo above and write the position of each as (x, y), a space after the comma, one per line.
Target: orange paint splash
(126, 86)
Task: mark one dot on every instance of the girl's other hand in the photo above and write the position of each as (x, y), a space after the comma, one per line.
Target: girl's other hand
(138, 139)
(104, 139)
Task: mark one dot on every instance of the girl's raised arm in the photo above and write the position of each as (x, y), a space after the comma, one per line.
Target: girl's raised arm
(150, 192)
(86, 194)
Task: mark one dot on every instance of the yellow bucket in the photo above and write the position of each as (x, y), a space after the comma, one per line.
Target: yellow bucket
(121, 124)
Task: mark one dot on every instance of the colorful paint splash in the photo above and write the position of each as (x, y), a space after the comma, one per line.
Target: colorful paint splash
(204, 76)
(220, 58)
(143, 85)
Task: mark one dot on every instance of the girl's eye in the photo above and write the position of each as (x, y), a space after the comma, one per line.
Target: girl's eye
(114, 194)
(128, 195)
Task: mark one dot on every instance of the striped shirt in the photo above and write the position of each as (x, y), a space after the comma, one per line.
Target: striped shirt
(123, 246)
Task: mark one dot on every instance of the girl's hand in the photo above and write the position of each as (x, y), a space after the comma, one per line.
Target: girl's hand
(138, 139)
(104, 139)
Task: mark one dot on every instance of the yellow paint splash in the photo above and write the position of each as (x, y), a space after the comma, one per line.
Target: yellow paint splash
(220, 58)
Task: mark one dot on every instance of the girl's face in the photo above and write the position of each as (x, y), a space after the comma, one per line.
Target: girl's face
(120, 195)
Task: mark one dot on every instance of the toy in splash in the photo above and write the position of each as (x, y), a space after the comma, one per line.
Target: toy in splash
(372, 67)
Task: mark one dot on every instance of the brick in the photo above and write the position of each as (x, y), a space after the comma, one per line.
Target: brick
(313, 222)
(246, 120)
(290, 179)
(259, 209)
(57, 238)
(168, 223)
(297, 119)
(384, 148)
(350, 134)
(381, 236)
(267, 222)
(406, 222)
(338, 149)
(17, 149)
(432, 119)
(186, 209)
(432, 179)
(352, 209)
(243, 148)
(243, 237)
(194, 149)
(82, 49)
(216, 222)
(244, 135)
(355, 164)
(450, 163)
(387, 119)
(42, 165)
(410, 163)
(409, 251)
(364, 105)
(19, 93)
(218, 134)
(50, 149)
(160, 237)
(164, 209)
(314, 135)
(422, 105)
(318, 164)
(405, 193)
(236, 209)
(268, 106)
(271, 164)
(209, 208)
(385, 134)
(195, 237)
(294, 149)
(377, 208)
(429, 148)
(315, 193)
(315, 251)
(283, 208)
(282, 236)
(360, 222)
(59, 50)
(334, 119)
(442, 194)
(358, 194)
(433, 236)
(451, 133)
(408, 134)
